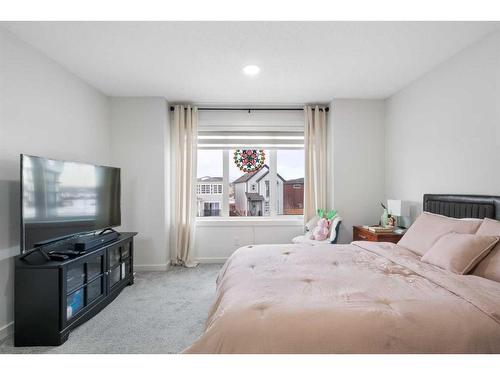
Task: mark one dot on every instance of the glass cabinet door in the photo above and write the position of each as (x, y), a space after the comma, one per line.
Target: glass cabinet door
(114, 276)
(119, 266)
(94, 290)
(114, 256)
(94, 267)
(94, 282)
(84, 284)
(74, 303)
(75, 276)
(126, 251)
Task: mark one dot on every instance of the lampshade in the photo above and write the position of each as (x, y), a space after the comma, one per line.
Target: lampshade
(398, 207)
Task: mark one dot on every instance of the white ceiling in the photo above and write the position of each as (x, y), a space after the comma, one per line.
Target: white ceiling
(201, 62)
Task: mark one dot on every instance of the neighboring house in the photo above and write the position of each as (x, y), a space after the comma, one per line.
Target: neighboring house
(209, 196)
(252, 194)
(293, 192)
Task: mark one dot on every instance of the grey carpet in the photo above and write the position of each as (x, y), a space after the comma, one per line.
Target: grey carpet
(163, 312)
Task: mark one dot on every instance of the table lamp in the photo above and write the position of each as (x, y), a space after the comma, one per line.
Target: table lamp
(398, 208)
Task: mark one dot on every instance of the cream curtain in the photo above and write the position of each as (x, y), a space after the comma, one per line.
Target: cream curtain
(315, 183)
(184, 153)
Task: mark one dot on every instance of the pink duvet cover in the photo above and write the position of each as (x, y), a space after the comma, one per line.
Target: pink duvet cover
(360, 298)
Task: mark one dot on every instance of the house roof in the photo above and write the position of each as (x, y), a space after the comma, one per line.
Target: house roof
(247, 176)
(209, 179)
(265, 174)
(295, 181)
(254, 197)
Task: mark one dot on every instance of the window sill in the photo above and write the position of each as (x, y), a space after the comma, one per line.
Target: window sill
(252, 221)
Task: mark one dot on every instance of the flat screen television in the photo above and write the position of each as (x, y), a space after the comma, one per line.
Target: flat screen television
(64, 198)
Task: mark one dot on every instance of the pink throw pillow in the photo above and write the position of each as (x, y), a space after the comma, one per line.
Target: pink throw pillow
(489, 267)
(428, 228)
(459, 253)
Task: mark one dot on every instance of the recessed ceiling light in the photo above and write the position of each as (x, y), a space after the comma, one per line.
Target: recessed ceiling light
(251, 70)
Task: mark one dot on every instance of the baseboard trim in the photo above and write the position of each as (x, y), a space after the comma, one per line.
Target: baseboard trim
(151, 267)
(211, 260)
(6, 330)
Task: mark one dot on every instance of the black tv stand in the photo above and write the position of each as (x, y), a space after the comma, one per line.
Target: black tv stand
(52, 297)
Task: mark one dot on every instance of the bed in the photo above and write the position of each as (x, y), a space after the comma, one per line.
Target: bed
(364, 297)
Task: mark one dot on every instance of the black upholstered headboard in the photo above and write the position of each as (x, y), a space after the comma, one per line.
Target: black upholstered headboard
(462, 206)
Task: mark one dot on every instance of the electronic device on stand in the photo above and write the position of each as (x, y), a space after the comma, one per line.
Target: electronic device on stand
(72, 262)
(72, 246)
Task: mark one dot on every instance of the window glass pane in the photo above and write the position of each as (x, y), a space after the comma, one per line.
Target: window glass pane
(74, 303)
(75, 276)
(290, 195)
(94, 267)
(94, 290)
(209, 183)
(248, 195)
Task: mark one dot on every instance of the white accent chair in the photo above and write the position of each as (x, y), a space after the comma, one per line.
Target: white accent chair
(334, 234)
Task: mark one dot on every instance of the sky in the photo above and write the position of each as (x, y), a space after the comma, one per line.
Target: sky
(290, 164)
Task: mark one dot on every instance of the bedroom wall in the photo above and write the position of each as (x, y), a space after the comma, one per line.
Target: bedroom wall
(356, 145)
(47, 111)
(443, 131)
(140, 146)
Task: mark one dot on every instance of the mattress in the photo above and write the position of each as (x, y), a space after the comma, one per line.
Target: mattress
(364, 297)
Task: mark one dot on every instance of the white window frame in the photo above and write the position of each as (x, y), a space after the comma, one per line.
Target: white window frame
(267, 130)
(273, 202)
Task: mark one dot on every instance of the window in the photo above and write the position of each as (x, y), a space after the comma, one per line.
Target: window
(250, 194)
(290, 167)
(248, 190)
(211, 208)
(209, 191)
(213, 188)
(276, 188)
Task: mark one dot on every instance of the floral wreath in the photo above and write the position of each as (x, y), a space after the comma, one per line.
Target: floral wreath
(249, 160)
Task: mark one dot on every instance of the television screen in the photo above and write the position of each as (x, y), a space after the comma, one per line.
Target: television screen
(62, 198)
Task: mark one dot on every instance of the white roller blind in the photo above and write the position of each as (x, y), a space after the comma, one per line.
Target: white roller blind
(262, 129)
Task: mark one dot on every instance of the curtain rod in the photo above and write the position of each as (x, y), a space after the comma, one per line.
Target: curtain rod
(251, 109)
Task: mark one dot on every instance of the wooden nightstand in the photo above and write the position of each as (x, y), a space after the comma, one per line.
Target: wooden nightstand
(362, 234)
